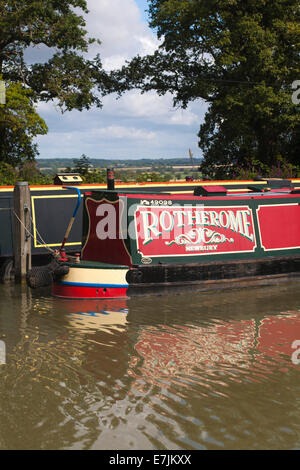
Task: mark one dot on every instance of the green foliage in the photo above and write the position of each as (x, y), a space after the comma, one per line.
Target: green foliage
(57, 26)
(28, 172)
(89, 174)
(82, 165)
(19, 124)
(239, 56)
(8, 174)
(96, 176)
(66, 76)
(255, 169)
(153, 177)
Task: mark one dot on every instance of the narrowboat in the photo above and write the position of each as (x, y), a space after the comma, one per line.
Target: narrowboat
(52, 205)
(141, 242)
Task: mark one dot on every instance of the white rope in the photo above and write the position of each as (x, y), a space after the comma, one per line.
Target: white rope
(31, 235)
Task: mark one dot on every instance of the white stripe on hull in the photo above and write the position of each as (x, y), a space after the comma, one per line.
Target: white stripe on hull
(90, 276)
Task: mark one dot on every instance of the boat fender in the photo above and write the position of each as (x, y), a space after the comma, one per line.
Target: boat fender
(39, 276)
(43, 276)
(59, 271)
(7, 270)
(134, 276)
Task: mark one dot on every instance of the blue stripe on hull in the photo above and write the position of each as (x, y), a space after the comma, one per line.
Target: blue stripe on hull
(82, 284)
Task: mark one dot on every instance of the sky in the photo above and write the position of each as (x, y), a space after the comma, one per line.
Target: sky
(135, 125)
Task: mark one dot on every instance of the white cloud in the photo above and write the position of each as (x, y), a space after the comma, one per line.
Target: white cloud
(122, 132)
(113, 62)
(118, 24)
(151, 107)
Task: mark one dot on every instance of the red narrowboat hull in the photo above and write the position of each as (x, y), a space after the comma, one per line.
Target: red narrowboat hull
(86, 292)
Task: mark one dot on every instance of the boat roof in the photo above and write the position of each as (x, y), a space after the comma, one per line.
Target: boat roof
(245, 194)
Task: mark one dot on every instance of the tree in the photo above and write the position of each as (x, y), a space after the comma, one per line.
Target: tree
(82, 165)
(19, 124)
(66, 76)
(241, 57)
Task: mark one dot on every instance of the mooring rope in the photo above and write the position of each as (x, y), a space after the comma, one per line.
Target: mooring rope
(32, 236)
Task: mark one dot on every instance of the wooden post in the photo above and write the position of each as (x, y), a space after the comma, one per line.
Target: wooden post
(22, 230)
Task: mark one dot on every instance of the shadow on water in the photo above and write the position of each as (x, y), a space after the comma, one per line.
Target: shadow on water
(190, 371)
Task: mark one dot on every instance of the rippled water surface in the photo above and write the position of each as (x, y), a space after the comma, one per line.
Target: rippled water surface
(189, 371)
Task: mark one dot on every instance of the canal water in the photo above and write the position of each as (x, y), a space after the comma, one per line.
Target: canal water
(189, 371)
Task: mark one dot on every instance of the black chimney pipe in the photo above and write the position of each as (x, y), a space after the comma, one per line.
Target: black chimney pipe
(110, 177)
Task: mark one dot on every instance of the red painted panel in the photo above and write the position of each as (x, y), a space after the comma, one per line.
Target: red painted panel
(104, 243)
(194, 230)
(279, 226)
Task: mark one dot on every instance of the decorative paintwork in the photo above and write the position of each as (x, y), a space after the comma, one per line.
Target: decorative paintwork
(189, 230)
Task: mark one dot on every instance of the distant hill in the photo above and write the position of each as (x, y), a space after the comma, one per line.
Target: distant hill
(57, 164)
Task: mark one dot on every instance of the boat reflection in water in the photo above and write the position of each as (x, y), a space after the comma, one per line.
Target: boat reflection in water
(251, 348)
(152, 372)
(96, 314)
(164, 352)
